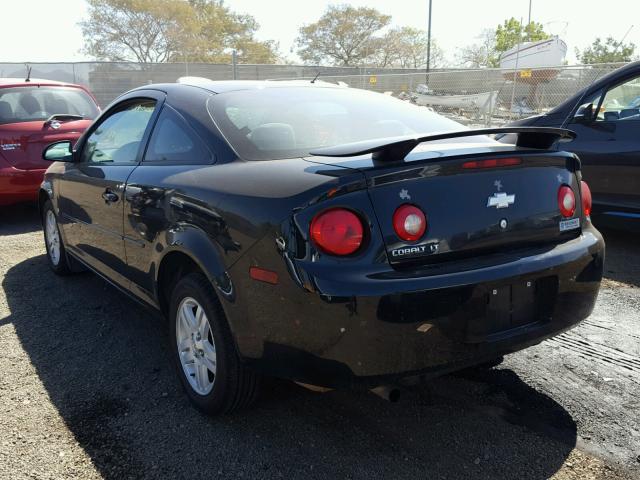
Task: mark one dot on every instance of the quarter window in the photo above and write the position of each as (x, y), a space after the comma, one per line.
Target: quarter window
(117, 138)
(174, 141)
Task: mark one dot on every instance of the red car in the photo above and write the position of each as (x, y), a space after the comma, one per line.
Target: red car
(33, 114)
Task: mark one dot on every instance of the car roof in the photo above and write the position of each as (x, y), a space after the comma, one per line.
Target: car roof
(21, 82)
(222, 86)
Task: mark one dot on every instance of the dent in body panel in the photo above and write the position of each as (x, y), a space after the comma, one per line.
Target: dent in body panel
(224, 209)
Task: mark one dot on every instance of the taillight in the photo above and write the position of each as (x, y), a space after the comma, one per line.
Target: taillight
(337, 231)
(566, 201)
(585, 193)
(409, 222)
(493, 163)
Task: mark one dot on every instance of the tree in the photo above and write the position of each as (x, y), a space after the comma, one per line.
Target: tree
(405, 47)
(511, 32)
(172, 30)
(344, 35)
(609, 51)
(482, 53)
(141, 30)
(221, 31)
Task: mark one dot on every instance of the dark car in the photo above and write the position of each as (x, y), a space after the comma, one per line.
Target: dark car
(33, 114)
(377, 257)
(606, 118)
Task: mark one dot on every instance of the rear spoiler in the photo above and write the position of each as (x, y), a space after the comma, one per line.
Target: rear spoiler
(397, 148)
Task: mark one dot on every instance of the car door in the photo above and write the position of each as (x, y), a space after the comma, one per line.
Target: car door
(160, 192)
(93, 186)
(609, 147)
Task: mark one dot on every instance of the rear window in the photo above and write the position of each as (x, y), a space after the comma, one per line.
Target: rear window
(28, 104)
(287, 122)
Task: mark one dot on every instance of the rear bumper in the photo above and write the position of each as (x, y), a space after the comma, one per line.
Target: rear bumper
(17, 186)
(368, 329)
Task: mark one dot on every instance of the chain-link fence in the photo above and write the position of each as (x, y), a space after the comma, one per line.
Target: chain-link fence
(487, 97)
(476, 97)
(107, 80)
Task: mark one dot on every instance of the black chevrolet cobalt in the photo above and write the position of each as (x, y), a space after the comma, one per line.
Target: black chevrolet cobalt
(327, 235)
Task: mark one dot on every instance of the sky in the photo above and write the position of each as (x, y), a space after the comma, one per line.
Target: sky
(53, 35)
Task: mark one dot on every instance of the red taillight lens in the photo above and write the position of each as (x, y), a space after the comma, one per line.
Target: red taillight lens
(337, 231)
(585, 193)
(566, 201)
(492, 163)
(409, 223)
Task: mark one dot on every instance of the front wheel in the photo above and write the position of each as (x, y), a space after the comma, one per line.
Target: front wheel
(56, 253)
(203, 350)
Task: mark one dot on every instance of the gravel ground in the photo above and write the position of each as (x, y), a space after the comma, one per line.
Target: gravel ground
(87, 391)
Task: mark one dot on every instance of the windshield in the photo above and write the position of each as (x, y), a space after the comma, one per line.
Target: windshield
(274, 123)
(28, 104)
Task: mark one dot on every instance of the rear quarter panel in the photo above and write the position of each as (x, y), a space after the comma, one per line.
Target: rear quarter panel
(215, 214)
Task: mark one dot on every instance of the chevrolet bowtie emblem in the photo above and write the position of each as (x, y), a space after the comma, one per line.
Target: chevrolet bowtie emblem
(501, 200)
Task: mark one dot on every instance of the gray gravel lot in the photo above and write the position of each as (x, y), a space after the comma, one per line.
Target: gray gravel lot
(87, 391)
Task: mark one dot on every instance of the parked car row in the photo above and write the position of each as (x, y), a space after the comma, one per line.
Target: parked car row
(605, 117)
(323, 234)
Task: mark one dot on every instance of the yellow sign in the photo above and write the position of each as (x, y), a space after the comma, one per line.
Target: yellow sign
(525, 73)
(373, 80)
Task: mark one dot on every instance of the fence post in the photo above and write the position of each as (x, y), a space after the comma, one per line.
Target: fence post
(234, 64)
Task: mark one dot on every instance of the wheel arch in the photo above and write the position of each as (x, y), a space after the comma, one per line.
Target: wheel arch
(189, 249)
(43, 196)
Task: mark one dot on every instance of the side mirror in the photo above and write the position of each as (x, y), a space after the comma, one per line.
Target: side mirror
(59, 152)
(584, 114)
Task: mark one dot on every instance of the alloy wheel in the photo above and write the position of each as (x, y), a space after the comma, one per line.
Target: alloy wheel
(196, 346)
(53, 237)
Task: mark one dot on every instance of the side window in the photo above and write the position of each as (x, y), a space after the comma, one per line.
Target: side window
(174, 141)
(117, 138)
(621, 103)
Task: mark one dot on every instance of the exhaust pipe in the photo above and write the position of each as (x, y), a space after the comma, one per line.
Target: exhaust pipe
(390, 393)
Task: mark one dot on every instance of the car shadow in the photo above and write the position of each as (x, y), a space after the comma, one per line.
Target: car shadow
(622, 262)
(18, 219)
(104, 363)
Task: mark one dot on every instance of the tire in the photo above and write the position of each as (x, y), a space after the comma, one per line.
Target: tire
(56, 253)
(214, 378)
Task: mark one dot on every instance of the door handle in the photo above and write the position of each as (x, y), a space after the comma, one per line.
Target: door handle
(109, 197)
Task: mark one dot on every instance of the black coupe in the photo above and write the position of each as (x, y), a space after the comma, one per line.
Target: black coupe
(323, 234)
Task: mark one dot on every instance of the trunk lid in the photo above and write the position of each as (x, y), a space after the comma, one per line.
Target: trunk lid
(21, 144)
(469, 211)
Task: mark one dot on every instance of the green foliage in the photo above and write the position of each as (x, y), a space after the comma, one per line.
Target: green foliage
(609, 51)
(221, 31)
(172, 30)
(343, 35)
(511, 32)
